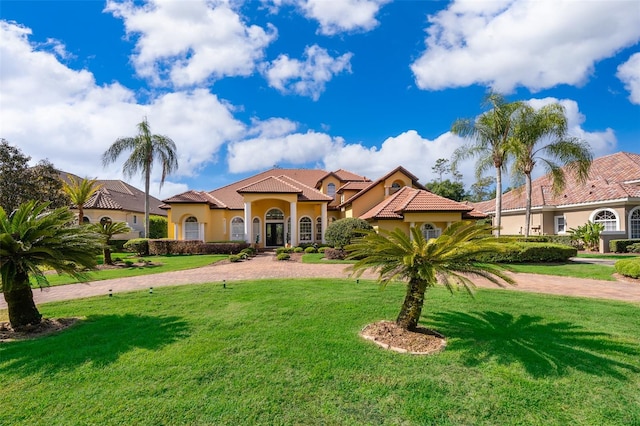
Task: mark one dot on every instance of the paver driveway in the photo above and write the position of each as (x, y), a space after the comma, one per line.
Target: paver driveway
(265, 266)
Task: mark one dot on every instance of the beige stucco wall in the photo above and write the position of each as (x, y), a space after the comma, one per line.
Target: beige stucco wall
(134, 220)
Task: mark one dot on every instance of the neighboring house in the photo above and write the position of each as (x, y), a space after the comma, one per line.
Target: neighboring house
(117, 201)
(294, 206)
(611, 196)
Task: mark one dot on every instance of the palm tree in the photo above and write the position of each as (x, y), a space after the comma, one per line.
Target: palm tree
(540, 136)
(80, 191)
(145, 149)
(33, 237)
(448, 259)
(107, 230)
(490, 133)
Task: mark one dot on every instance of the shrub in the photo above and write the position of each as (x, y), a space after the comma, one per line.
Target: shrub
(298, 250)
(322, 249)
(310, 250)
(158, 227)
(628, 267)
(234, 258)
(620, 246)
(334, 254)
(519, 252)
(140, 246)
(588, 233)
(341, 232)
(283, 256)
(280, 250)
(118, 245)
(634, 248)
(129, 263)
(249, 251)
(164, 247)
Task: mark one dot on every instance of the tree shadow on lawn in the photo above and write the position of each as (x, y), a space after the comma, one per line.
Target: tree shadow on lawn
(542, 348)
(99, 340)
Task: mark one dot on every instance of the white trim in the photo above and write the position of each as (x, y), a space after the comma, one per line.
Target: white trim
(631, 212)
(556, 227)
(310, 240)
(231, 237)
(612, 211)
(437, 230)
(198, 229)
(253, 230)
(568, 206)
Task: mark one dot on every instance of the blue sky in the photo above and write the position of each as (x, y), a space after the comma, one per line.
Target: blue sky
(364, 85)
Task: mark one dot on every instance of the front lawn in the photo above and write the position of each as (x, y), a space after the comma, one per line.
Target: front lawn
(158, 264)
(288, 352)
(572, 269)
(318, 258)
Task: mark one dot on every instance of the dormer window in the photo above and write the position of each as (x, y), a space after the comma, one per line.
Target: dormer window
(331, 190)
(395, 187)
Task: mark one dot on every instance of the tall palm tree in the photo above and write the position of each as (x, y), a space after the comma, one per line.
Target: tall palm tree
(540, 136)
(448, 258)
(145, 149)
(489, 133)
(107, 230)
(33, 237)
(79, 192)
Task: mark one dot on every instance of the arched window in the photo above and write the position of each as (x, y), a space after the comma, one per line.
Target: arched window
(634, 223)
(256, 230)
(395, 187)
(105, 220)
(237, 229)
(191, 228)
(331, 190)
(85, 219)
(608, 218)
(305, 230)
(318, 228)
(274, 214)
(430, 231)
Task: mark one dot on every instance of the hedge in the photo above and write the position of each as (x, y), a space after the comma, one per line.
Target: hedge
(634, 248)
(164, 247)
(628, 267)
(520, 252)
(335, 254)
(138, 245)
(620, 246)
(342, 231)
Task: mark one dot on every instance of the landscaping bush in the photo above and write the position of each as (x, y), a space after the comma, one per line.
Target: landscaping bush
(283, 256)
(234, 258)
(280, 250)
(322, 249)
(298, 250)
(164, 247)
(620, 246)
(158, 227)
(249, 251)
(588, 234)
(628, 267)
(634, 248)
(118, 245)
(140, 246)
(334, 254)
(311, 250)
(520, 252)
(341, 232)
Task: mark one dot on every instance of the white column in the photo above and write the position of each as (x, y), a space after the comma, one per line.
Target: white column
(323, 219)
(294, 223)
(247, 222)
(176, 228)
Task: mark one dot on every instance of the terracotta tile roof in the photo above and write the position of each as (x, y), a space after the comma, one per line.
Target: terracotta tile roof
(414, 181)
(413, 200)
(308, 193)
(195, 197)
(119, 195)
(613, 177)
(343, 176)
(270, 184)
(357, 186)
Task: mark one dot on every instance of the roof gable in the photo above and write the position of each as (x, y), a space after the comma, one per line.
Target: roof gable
(399, 169)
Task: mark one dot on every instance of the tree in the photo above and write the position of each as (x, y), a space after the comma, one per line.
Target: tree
(145, 148)
(342, 231)
(588, 234)
(446, 188)
(540, 136)
(106, 231)
(490, 133)
(448, 259)
(32, 237)
(79, 192)
(21, 183)
(482, 190)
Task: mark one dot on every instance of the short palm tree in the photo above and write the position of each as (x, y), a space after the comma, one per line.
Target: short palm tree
(540, 136)
(79, 192)
(145, 148)
(106, 231)
(490, 134)
(33, 237)
(449, 259)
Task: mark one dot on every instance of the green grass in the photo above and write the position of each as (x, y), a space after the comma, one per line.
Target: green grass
(288, 352)
(319, 258)
(576, 270)
(606, 256)
(162, 264)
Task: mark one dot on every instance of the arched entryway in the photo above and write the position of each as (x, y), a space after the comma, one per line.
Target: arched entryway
(274, 228)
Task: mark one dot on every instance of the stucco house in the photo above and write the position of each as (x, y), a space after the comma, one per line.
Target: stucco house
(117, 201)
(611, 196)
(294, 206)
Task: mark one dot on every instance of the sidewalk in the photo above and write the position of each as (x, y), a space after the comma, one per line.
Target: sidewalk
(265, 266)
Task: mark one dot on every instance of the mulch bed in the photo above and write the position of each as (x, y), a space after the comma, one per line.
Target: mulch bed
(388, 335)
(47, 326)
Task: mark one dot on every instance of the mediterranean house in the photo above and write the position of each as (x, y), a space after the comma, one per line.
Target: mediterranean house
(117, 201)
(281, 207)
(611, 196)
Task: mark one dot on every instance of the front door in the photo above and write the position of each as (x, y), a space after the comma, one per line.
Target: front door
(275, 234)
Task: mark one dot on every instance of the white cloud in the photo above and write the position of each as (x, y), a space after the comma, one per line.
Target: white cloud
(629, 74)
(51, 111)
(510, 43)
(306, 78)
(191, 42)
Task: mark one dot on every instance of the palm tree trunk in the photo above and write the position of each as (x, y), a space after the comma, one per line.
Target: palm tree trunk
(147, 179)
(527, 210)
(80, 215)
(107, 256)
(22, 309)
(498, 221)
(412, 306)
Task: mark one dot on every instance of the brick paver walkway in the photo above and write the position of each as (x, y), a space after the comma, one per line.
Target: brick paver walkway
(265, 266)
